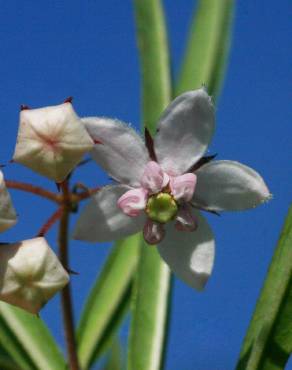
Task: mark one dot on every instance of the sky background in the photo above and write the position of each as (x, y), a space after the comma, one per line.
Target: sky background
(87, 49)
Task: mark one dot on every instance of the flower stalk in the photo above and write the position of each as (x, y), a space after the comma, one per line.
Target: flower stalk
(67, 308)
(36, 190)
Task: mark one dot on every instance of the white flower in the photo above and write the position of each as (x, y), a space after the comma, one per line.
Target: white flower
(8, 216)
(30, 274)
(161, 189)
(51, 140)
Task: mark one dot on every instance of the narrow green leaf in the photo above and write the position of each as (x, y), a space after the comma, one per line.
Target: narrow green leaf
(33, 338)
(154, 57)
(115, 358)
(150, 304)
(108, 301)
(149, 312)
(117, 318)
(268, 342)
(13, 347)
(207, 47)
(7, 363)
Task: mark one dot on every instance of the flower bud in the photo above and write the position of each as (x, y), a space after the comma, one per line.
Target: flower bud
(8, 216)
(30, 274)
(51, 140)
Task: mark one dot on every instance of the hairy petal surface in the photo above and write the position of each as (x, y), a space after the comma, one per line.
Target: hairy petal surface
(121, 152)
(30, 274)
(102, 220)
(184, 131)
(8, 216)
(190, 255)
(229, 186)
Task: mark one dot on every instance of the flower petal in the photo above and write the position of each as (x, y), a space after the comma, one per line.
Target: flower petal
(184, 131)
(122, 153)
(183, 187)
(229, 186)
(30, 274)
(190, 255)
(102, 220)
(8, 216)
(133, 201)
(153, 178)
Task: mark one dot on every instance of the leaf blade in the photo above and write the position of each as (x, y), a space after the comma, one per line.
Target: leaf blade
(101, 308)
(208, 47)
(34, 337)
(150, 303)
(268, 341)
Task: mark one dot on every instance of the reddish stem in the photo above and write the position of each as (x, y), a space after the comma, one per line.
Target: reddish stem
(50, 222)
(37, 190)
(85, 194)
(67, 308)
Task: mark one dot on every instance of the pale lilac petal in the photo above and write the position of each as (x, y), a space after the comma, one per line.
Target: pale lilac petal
(186, 219)
(133, 201)
(122, 154)
(190, 255)
(102, 219)
(153, 232)
(183, 187)
(184, 131)
(154, 178)
(229, 186)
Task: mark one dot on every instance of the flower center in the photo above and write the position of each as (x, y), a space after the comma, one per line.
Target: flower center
(161, 207)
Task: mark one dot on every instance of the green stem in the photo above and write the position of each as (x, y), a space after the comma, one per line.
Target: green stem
(67, 308)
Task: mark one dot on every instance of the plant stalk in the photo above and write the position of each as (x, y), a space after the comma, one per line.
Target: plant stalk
(66, 300)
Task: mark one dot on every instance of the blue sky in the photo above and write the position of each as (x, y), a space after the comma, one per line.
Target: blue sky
(86, 49)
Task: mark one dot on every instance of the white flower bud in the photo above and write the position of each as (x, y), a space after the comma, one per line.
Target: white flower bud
(8, 216)
(30, 274)
(51, 140)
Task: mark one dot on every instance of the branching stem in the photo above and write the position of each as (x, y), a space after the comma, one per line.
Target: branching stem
(37, 190)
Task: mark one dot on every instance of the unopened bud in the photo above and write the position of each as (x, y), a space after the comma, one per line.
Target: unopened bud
(8, 216)
(30, 274)
(51, 140)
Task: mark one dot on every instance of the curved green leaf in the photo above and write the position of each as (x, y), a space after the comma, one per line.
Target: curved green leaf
(268, 342)
(33, 339)
(149, 312)
(152, 42)
(207, 47)
(10, 345)
(108, 301)
(150, 304)
(115, 358)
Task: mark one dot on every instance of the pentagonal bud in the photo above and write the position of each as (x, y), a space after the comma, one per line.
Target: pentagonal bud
(30, 274)
(51, 140)
(8, 216)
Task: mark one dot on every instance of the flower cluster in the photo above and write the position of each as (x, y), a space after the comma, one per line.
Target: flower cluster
(30, 272)
(161, 185)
